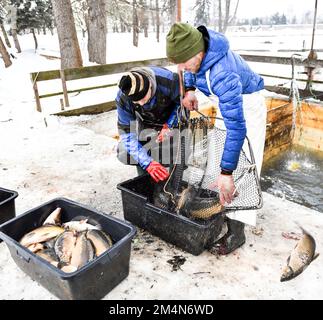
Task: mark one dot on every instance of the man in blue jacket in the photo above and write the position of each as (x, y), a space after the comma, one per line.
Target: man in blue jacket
(147, 104)
(215, 70)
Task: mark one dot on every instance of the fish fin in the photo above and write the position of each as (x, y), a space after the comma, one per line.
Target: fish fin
(315, 256)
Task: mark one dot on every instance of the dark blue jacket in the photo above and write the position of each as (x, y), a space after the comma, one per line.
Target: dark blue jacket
(161, 109)
(230, 77)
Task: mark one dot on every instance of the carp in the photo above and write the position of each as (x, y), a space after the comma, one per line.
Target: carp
(301, 256)
(41, 234)
(83, 251)
(64, 246)
(80, 226)
(100, 241)
(49, 255)
(54, 218)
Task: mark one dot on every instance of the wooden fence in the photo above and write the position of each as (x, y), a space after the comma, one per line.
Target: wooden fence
(101, 70)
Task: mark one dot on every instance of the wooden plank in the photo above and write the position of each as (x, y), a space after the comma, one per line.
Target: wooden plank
(93, 109)
(280, 60)
(91, 71)
(77, 90)
(286, 91)
(99, 70)
(288, 78)
(278, 115)
(311, 138)
(272, 151)
(62, 74)
(106, 69)
(273, 103)
(45, 75)
(279, 129)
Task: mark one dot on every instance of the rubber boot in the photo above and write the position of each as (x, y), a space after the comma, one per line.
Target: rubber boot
(233, 239)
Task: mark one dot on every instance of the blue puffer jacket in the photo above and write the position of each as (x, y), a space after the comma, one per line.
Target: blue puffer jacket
(230, 77)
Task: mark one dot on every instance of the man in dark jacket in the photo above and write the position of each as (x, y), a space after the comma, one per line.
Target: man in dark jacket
(215, 70)
(147, 104)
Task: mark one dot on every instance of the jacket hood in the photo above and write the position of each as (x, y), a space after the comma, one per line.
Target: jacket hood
(218, 46)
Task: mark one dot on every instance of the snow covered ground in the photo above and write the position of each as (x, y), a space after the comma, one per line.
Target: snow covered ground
(43, 156)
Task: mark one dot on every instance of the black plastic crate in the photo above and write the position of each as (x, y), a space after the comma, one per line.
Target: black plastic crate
(94, 280)
(191, 236)
(7, 204)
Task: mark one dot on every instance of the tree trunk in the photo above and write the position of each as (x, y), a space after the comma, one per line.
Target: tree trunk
(152, 15)
(173, 4)
(135, 26)
(157, 21)
(15, 40)
(227, 15)
(44, 31)
(6, 39)
(97, 31)
(5, 54)
(69, 47)
(35, 38)
(144, 20)
(232, 20)
(220, 16)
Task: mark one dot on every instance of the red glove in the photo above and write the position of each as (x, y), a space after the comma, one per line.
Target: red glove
(157, 171)
(165, 132)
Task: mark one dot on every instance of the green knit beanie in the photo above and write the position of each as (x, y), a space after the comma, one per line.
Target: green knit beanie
(183, 42)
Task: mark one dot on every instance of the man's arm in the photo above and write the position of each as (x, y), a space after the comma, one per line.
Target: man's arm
(130, 139)
(228, 88)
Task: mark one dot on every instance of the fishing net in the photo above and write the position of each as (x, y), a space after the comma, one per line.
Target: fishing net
(190, 190)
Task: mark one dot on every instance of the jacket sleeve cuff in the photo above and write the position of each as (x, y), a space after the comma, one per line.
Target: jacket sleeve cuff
(190, 89)
(226, 172)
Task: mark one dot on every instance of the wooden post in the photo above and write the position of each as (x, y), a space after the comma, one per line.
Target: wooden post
(62, 104)
(35, 87)
(67, 104)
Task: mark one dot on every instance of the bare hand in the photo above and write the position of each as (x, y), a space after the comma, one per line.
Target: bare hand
(190, 101)
(226, 188)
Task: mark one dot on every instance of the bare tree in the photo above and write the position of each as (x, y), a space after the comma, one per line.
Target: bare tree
(135, 26)
(12, 20)
(15, 39)
(157, 21)
(226, 17)
(69, 47)
(5, 54)
(97, 31)
(143, 17)
(5, 36)
(80, 11)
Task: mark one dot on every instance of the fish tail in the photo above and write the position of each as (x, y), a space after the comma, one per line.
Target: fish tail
(303, 230)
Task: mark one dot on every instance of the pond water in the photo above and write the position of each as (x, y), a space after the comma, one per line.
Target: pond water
(297, 175)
